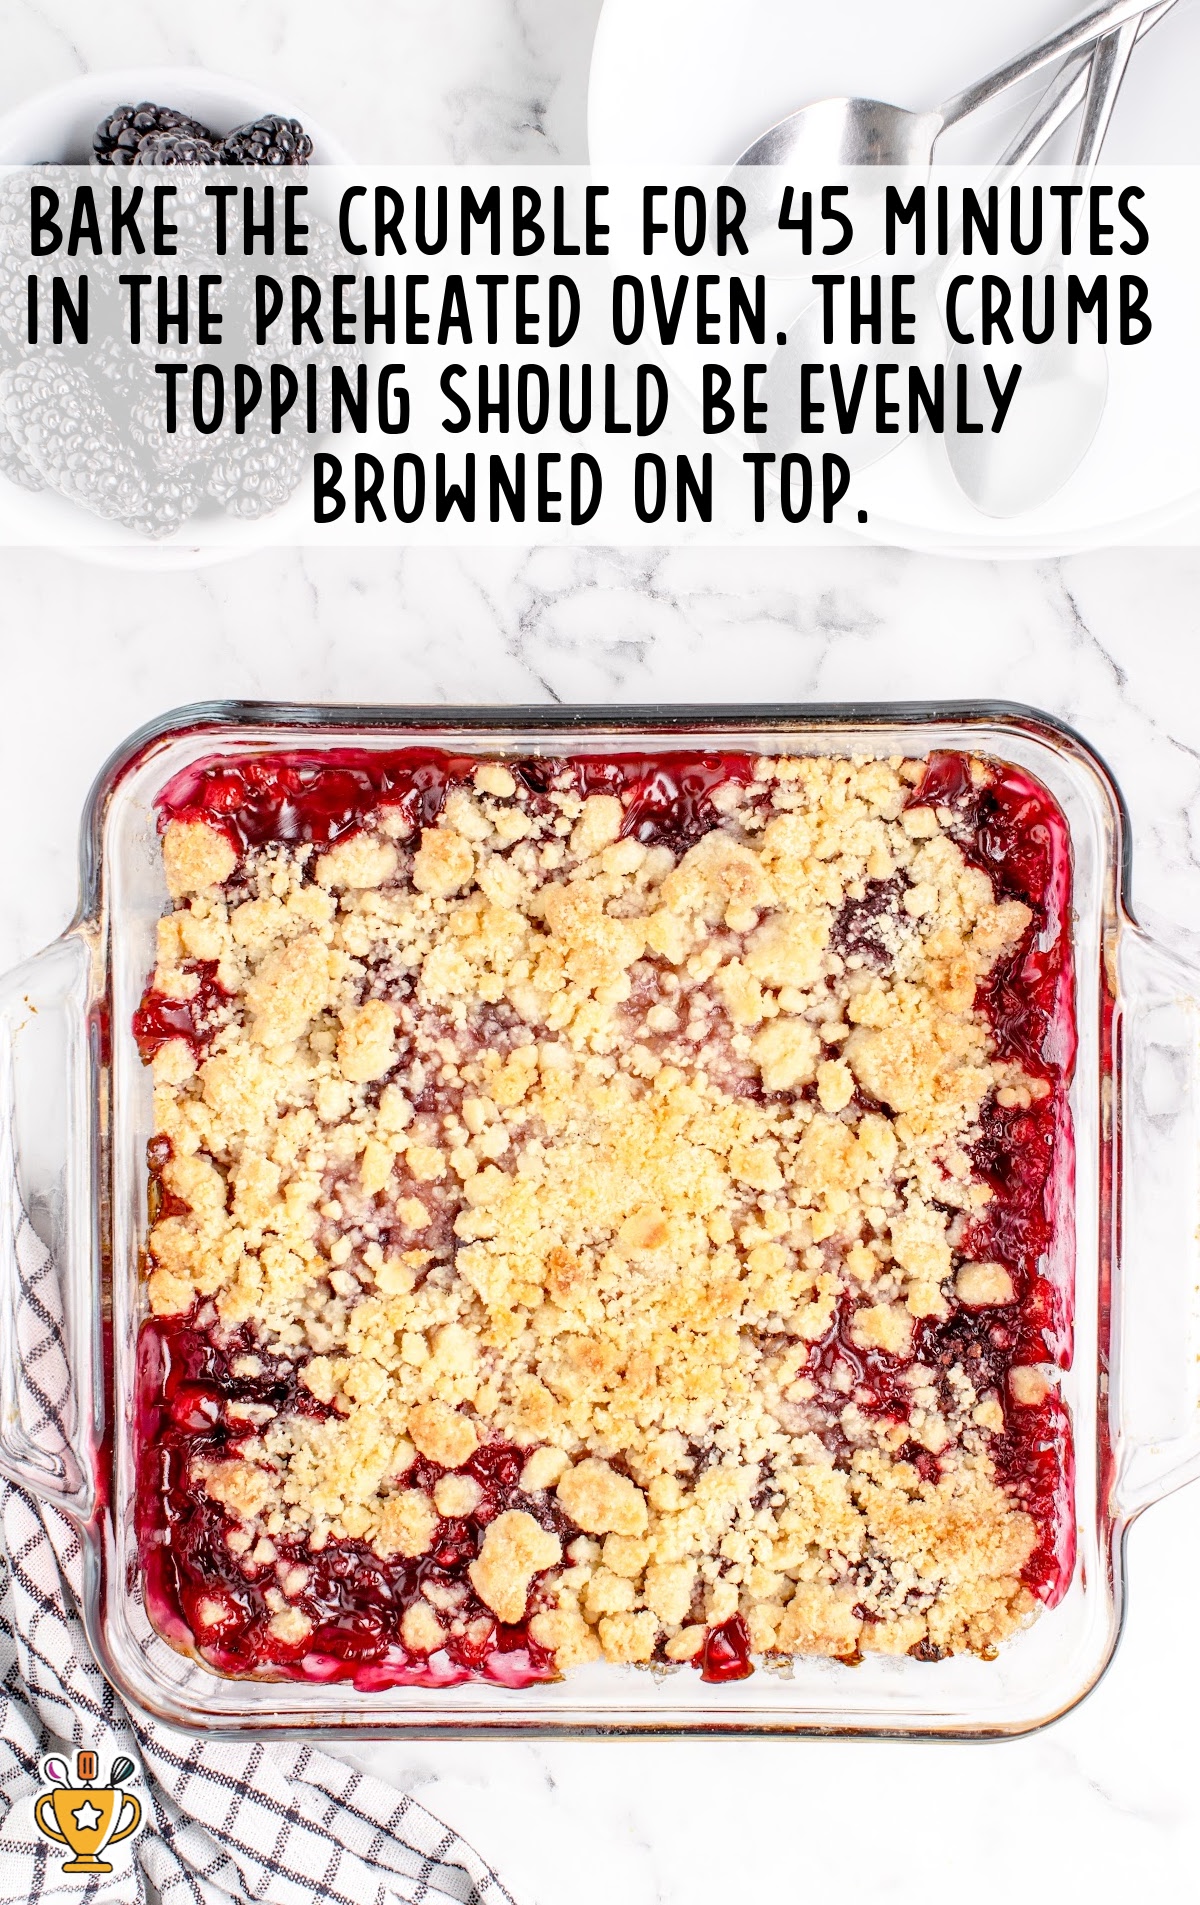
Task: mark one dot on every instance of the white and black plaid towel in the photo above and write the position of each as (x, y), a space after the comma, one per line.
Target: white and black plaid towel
(284, 1824)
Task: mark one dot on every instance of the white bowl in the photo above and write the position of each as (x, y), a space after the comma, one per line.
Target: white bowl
(56, 128)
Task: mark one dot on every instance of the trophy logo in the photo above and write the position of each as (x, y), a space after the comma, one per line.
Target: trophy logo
(85, 1817)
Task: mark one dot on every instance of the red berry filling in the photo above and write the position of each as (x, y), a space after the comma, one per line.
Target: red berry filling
(200, 1589)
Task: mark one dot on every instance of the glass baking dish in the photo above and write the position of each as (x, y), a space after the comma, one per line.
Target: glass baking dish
(75, 1117)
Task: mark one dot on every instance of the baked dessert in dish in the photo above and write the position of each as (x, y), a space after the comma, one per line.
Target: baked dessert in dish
(605, 1209)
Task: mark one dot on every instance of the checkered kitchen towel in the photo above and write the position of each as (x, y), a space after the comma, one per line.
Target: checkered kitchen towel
(283, 1824)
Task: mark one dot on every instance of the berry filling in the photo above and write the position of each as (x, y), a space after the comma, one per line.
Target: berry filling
(203, 1590)
(323, 796)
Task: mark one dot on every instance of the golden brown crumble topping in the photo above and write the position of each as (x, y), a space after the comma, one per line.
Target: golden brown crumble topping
(519, 1130)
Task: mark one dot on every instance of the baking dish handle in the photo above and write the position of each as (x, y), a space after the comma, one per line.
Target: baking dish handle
(50, 1398)
(1156, 1326)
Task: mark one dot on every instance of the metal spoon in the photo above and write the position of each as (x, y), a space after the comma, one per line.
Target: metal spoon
(1063, 388)
(806, 343)
(841, 132)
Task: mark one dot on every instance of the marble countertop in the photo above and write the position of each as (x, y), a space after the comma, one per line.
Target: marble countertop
(1105, 1802)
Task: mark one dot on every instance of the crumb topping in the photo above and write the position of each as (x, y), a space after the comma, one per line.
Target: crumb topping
(514, 1129)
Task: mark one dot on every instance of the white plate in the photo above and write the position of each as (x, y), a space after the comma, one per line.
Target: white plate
(693, 82)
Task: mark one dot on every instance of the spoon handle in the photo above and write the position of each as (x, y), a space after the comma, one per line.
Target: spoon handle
(1048, 117)
(1065, 93)
(1095, 81)
(1083, 31)
(1050, 114)
(1109, 62)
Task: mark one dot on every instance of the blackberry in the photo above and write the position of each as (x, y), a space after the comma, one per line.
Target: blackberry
(14, 204)
(167, 502)
(117, 137)
(192, 213)
(57, 421)
(270, 140)
(132, 395)
(173, 453)
(14, 308)
(16, 264)
(115, 368)
(15, 465)
(176, 148)
(255, 474)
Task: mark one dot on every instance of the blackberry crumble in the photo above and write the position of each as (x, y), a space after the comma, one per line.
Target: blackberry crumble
(602, 1210)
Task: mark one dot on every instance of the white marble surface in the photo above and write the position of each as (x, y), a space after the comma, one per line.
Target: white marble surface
(1107, 1798)
(1103, 1805)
